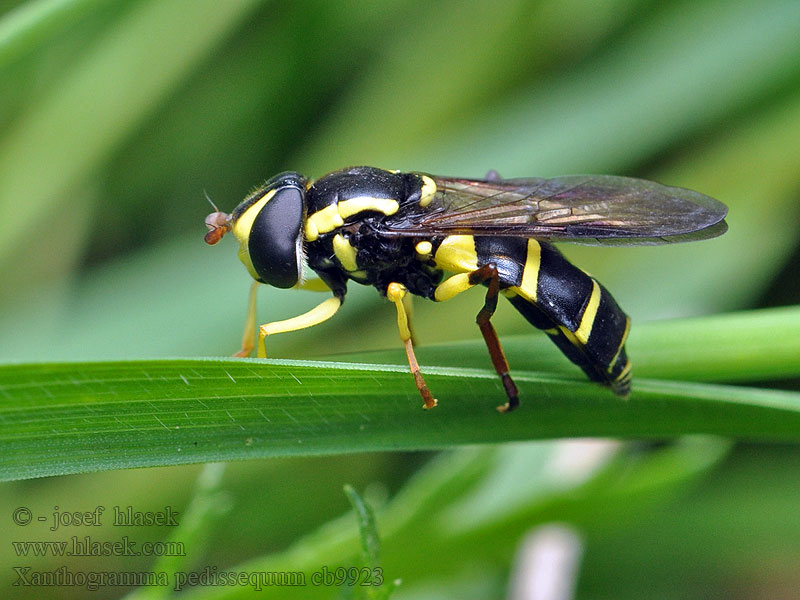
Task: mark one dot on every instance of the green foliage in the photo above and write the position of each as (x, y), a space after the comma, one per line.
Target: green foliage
(167, 412)
(116, 117)
(370, 552)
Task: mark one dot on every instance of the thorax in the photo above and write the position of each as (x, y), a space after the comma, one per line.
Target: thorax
(345, 233)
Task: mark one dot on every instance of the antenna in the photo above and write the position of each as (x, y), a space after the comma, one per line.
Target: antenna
(210, 201)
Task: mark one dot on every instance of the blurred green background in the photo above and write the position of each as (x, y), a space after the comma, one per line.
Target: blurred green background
(116, 118)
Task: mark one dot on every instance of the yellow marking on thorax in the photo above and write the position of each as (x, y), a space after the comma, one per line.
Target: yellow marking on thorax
(530, 272)
(587, 320)
(457, 253)
(242, 228)
(424, 249)
(353, 206)
(323, 221)
(427, 192)
(333, 216)
(345, 252)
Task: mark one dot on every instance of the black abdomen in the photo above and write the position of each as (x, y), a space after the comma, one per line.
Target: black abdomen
(579, 314)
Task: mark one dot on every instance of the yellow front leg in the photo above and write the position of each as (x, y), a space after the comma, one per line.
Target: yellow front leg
(319, 314)
(249, 336)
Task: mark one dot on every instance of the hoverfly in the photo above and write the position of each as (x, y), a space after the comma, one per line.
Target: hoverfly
(402, 231)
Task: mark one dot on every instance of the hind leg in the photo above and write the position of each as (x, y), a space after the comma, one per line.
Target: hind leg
(464, 281)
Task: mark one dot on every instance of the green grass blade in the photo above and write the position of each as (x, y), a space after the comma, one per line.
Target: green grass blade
(73, 417)
(367, 529)
(755, 345)
(209, 502)
(67, 418)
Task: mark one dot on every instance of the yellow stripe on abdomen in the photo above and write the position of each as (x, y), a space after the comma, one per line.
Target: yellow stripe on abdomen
(587, 320)
(530, 272)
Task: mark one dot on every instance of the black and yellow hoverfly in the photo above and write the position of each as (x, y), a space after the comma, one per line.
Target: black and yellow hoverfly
(400, 232)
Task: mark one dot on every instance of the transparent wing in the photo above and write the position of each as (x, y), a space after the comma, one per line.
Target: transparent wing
(588, 209)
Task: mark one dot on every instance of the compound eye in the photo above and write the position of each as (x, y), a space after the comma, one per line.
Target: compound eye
(275, 242)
